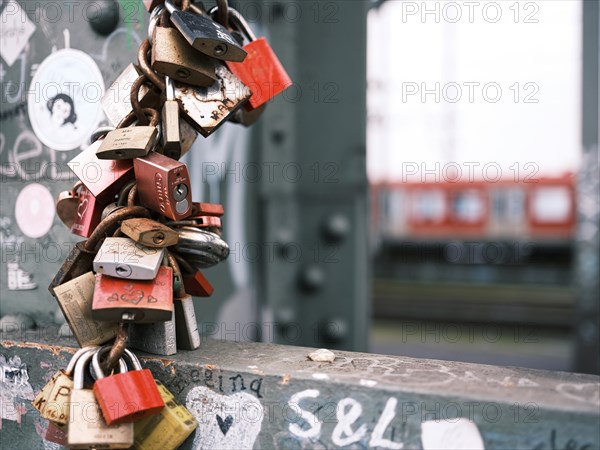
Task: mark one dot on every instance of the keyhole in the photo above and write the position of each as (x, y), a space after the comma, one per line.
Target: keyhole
(158, 238)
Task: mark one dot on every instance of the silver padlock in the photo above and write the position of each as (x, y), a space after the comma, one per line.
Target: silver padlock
(186, 326)
(201, 248)
(122, 257)
(157, 338)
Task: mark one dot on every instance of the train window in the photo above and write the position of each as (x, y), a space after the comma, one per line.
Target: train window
(551, 204)
(428, 205)
(468, 206)
(508, 205)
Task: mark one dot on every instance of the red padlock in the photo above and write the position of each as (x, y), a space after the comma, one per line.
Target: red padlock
(140, 301)
(261, 70)
(89, 213)
(129, 396)
(207, 209)
(197, 285)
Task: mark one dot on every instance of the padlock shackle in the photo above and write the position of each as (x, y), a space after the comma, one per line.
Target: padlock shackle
(73, 362)
(96, 363)
(237, 21)
(169, 88)
(100, 133)
(144, 65)
(82, 362)
(154, 19)
(180, 292)
(135, 362)
(106, 226)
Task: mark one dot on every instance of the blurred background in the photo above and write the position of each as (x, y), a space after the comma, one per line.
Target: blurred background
(427, 187)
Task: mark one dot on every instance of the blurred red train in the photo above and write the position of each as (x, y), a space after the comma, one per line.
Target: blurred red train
(542, 209)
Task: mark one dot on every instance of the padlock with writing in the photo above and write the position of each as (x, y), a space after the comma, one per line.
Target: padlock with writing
(172, 56)
(116, 101)
(82, 255)
(186, 325)
(122, 257)
(130, 141)
(142, 301)
(261, 71)
(87, 428)
(67, 204)
(171, 137)
(156, 338)
(149, 233)
(164, 185)
(205, 35)
(202, 249)
(208, 108)
(52, 400)
(103, 178)
(168, 429)
(88, 213)
(128, 396)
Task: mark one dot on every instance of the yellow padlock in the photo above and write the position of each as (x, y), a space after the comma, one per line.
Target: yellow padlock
(166, 430)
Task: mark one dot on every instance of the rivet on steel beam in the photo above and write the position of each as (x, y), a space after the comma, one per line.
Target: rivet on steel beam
(104, 18)
(336, 228)
(312, 278)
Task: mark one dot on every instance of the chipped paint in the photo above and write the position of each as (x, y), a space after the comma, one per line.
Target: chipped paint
(54, 349)
(285, 379)
(14, 388)
(320, 376)
(368, 383)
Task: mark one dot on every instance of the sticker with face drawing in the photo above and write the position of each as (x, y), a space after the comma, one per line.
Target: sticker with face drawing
(64, 99)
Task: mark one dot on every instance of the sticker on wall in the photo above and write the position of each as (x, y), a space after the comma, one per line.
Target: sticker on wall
(34, 210)
(227, 422)
(64, 98)
(460, 434)
(15, 389)
(15, 31)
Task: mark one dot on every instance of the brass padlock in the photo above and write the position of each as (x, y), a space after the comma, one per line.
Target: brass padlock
(131, 141)
(208, 108)
(168, 429)
(87, 427)
(149, 232)
(171, 136)
(52, 400)
(75, 300)
(172, 56)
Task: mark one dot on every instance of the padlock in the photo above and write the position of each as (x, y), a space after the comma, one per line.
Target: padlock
(87, 428)
(75, 300)
(172, 56)
(197, 284)
(52, 400)
(207, 209)
(163, 185)
(103, 178)
(116, 101)
(151, 4)
(208, 108)
(88, 213)
(186, 325)
(141, 301)
(149, 233)
(82, 255)
(128, 396)
(168, 429)
(67, 204)
(56, 433)
(187, 135)
(156, 338)
(122, 257)
(171, 137)
(201, 248)
(261, 71)
(130, 141)
(247, 118)
(205, 35)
